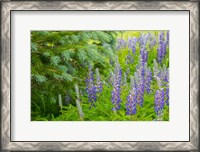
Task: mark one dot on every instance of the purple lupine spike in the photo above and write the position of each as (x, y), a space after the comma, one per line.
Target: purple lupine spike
(133, 49)
(143, 39)
(166, 75)
(152, 41)
(161, 47)
(143, 54)
(99, 83)
(162, 77)
(167, 38)
(130, 43)
(134, 41)
(121, 44)
(159, 102)
(148, 79)
(159, 54)
(161, 36)
(132, 99)
(118, 47)
(167, 96)
(140, 89)
(116, 93)
(90, 87)
(129, 58)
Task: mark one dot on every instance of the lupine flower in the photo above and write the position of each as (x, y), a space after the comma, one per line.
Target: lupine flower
(129, 59)
(161, 36)
(167, 38)
(99, 83)
(166, 75)
(161, 47)
(148, 79)
(90, 87)
(152, 41)
(140, 82)
(121, 44)
(81, 114)
(143, 39)
(163, 77)
(159, 55)
(140, 91)
(132, 99)
(167, 96)
(143, 54)
(116, 93)
(159, 102)
(132, 44)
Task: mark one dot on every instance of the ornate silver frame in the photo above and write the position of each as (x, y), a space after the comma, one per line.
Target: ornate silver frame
(7, 6)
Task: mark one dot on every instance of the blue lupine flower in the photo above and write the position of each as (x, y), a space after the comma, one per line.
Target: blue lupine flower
(167, 96)
(159, 102)
(161, 36)
(152, 41)
(143, 39)
(159, 55)
(132, 44)
(121, 44)
(167, 38)
(116, 93)
(148, 79)
(162, 77)
(99, 83)
(140, 95)
(161, 47)
(132, 99)
(129, 58)
(90, 87)
(143, 54)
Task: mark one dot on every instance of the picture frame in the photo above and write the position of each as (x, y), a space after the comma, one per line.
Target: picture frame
(8, 7)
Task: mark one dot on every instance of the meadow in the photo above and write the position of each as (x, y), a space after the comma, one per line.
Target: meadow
(100, 75)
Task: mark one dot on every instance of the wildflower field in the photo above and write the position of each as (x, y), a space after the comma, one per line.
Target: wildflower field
(100, 75)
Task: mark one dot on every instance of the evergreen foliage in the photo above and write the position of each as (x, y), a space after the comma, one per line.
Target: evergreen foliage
(59, 60)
